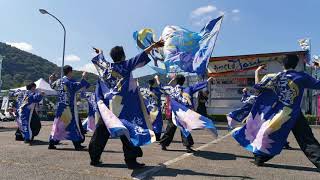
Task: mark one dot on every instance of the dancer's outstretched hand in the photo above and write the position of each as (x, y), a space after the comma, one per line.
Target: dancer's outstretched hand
(244, 90)
(42, 93)
(261, 67)
(159, 43)
(156, 77)
(84, 75)
(98, 51)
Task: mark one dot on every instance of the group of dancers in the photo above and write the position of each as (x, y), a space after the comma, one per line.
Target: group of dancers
(268, 115)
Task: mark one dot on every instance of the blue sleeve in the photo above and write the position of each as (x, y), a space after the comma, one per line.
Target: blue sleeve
(97, 58)
(36, 98)
(310, 82)
(244, 97)
(158, 91)
(83, 95)
(264, 82)
(76, 86)
(139, 60)
(101, 64)
(198, 87)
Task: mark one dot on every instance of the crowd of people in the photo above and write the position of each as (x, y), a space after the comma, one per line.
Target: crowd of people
(118, 104)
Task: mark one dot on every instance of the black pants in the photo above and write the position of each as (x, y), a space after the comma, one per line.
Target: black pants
(158, 136)
(19, 136)
(306, 140)
(83, 131)
(169, 134)
(35, 124)
(100, 138)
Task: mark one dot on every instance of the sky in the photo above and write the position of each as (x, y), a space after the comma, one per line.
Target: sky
(249, 26)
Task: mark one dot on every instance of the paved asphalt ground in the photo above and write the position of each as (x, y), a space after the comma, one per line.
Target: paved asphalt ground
(220, 159)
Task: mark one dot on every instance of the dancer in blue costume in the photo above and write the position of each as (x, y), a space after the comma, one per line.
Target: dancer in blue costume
(239, 115)
(66, 125)
(89, 124)
(29, 120)
(152, 99)
(276, 112)
(18, 96)
(183, 95)
(120, 95)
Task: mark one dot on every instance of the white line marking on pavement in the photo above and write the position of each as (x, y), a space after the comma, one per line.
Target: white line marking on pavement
(154, 170)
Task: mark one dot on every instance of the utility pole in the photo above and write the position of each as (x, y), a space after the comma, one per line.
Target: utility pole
(1, 59)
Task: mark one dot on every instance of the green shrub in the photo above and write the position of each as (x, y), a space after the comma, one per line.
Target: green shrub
(50, 116)
(311, 119)
(83, 114)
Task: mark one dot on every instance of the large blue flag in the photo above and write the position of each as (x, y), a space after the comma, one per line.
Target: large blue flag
(184, 50)
(188, 120)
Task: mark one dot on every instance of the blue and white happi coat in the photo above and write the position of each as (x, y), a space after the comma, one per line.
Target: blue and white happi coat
(275, 112)
(90, 122)
(241, 113)
(18, 94)
(119, 101)
(25, 113)
(152, 101)
(183, 114)
(66, 125)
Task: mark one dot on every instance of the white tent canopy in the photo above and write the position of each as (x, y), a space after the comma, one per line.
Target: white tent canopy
(42, 85)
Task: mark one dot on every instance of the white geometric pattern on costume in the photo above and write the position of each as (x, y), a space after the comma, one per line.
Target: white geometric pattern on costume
(92, 101)
(137, 122)
(111, 81)
(176, 93)
(62, 94)
(139, 131)
(150, 97)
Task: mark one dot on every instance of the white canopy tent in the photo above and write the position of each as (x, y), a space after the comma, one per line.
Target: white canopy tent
(42, 85)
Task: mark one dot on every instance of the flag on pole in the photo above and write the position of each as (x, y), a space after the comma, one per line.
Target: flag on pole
(305, 45)
(184, 50)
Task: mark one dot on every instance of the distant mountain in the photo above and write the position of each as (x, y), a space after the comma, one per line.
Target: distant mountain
(20, 67)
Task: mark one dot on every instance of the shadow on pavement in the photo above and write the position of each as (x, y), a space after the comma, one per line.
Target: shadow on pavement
(215, 155)
(222, 127)
(171, 172)
(72, 149)
(112, 166)
(39, 143)
(176, 150)
(289, 167)
(175, 141)
(244, 157)
(138, 171)
(292, 149)
(4, 129)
